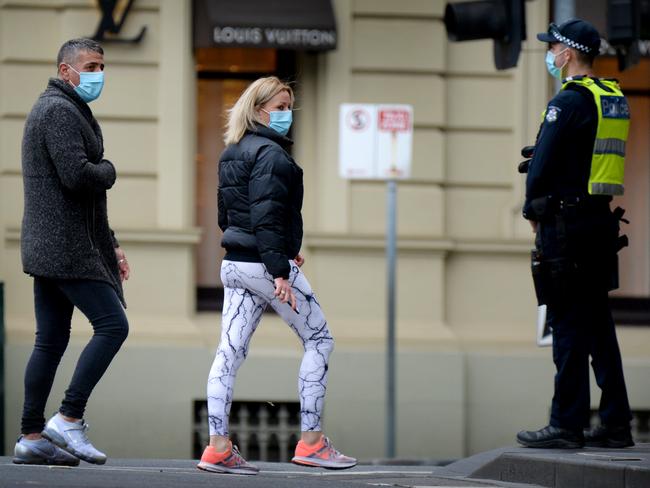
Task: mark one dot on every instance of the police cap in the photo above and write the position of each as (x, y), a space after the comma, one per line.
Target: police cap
(575, 33)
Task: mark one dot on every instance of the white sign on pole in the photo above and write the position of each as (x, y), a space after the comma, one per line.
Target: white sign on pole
(357, 136)
(375, 141)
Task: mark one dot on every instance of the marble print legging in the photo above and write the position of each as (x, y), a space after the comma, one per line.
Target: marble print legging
(248, 289)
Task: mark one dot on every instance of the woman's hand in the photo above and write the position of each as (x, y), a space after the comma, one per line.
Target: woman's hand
(299, 260)
(122, 264)
(284, 292)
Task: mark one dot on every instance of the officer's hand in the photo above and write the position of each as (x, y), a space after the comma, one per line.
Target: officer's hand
(527, 151)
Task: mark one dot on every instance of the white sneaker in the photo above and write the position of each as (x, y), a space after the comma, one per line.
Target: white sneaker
(42, 451)
(71, 436)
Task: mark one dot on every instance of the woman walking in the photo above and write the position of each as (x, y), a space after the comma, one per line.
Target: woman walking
(260, 199)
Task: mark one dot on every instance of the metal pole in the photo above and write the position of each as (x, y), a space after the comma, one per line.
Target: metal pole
(563, 10)
(391, 258)
(2, 370)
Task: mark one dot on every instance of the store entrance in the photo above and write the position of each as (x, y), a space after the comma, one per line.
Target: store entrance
(631, 302)
(222, 75)
(634, 260)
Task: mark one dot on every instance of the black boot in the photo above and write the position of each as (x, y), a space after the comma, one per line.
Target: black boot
(552, 438)
(612, 437)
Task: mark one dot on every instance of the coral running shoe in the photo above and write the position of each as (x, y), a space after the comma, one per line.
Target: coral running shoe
(322, 454)
(229, 461)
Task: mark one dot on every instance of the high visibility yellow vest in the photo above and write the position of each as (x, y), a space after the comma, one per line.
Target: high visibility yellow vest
(608, 159)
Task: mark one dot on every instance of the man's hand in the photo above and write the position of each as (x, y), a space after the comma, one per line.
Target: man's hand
(122, 264)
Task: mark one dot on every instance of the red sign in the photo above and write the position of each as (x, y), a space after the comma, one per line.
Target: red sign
(394, 120)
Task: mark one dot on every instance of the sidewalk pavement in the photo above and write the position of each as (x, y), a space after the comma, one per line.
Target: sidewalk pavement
(506, 467)
(149, 473)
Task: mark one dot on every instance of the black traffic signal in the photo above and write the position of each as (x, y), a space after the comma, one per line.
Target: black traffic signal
(628, 21)
(501, 20)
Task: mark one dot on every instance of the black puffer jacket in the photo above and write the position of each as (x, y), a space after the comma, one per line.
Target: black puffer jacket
(260, 198)
(65, 231)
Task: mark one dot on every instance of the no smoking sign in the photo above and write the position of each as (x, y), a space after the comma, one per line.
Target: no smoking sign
(358, 119)
(375, 141)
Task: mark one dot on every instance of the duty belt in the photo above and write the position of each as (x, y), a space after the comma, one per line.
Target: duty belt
(547, 206)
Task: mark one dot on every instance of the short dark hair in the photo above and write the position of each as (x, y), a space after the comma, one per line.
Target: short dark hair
(585, 58)
(70, 49)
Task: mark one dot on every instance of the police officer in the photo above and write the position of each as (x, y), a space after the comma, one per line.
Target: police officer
(576, 168)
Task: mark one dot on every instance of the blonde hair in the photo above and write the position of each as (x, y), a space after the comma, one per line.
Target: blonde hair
(243, 115)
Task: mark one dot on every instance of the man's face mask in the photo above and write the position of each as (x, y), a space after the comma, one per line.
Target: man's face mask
(553, 70)
(90, 84)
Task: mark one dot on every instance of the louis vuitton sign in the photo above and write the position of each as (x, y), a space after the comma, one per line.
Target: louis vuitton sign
(309, 39)
(109, 27)
(281, 24)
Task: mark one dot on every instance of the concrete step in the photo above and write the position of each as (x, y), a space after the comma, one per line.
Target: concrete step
(559, 468)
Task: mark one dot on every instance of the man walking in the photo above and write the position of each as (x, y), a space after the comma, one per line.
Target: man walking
(576, 168)
(71, 253)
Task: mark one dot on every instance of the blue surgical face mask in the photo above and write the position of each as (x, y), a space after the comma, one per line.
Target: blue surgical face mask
(280, 120)
(553, 70)
(90, 84)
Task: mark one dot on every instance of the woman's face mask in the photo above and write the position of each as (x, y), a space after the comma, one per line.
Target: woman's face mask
(280, 120)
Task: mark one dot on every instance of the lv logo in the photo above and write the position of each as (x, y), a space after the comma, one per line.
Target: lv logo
(108, 25)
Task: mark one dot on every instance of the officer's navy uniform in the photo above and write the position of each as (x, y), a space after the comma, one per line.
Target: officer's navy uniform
(577, 240)
(578, 312)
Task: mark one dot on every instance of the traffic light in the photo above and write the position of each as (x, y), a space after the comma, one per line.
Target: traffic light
(628, 21)
(501, 20)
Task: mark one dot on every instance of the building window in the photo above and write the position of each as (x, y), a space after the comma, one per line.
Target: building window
(263, 431)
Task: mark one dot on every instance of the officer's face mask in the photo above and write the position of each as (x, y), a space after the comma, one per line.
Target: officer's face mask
(90, 84)
(280, 120)
(553, 70)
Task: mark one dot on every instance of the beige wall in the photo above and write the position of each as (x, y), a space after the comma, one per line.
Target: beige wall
(469, 373)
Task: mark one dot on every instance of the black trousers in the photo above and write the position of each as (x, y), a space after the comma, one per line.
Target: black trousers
(579, 314)
(583, 328)
(54, 302)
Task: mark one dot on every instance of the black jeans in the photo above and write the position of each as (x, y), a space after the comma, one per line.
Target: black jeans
(54, 301)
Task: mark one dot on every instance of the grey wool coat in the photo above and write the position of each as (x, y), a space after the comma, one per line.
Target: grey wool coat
(65, 231)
